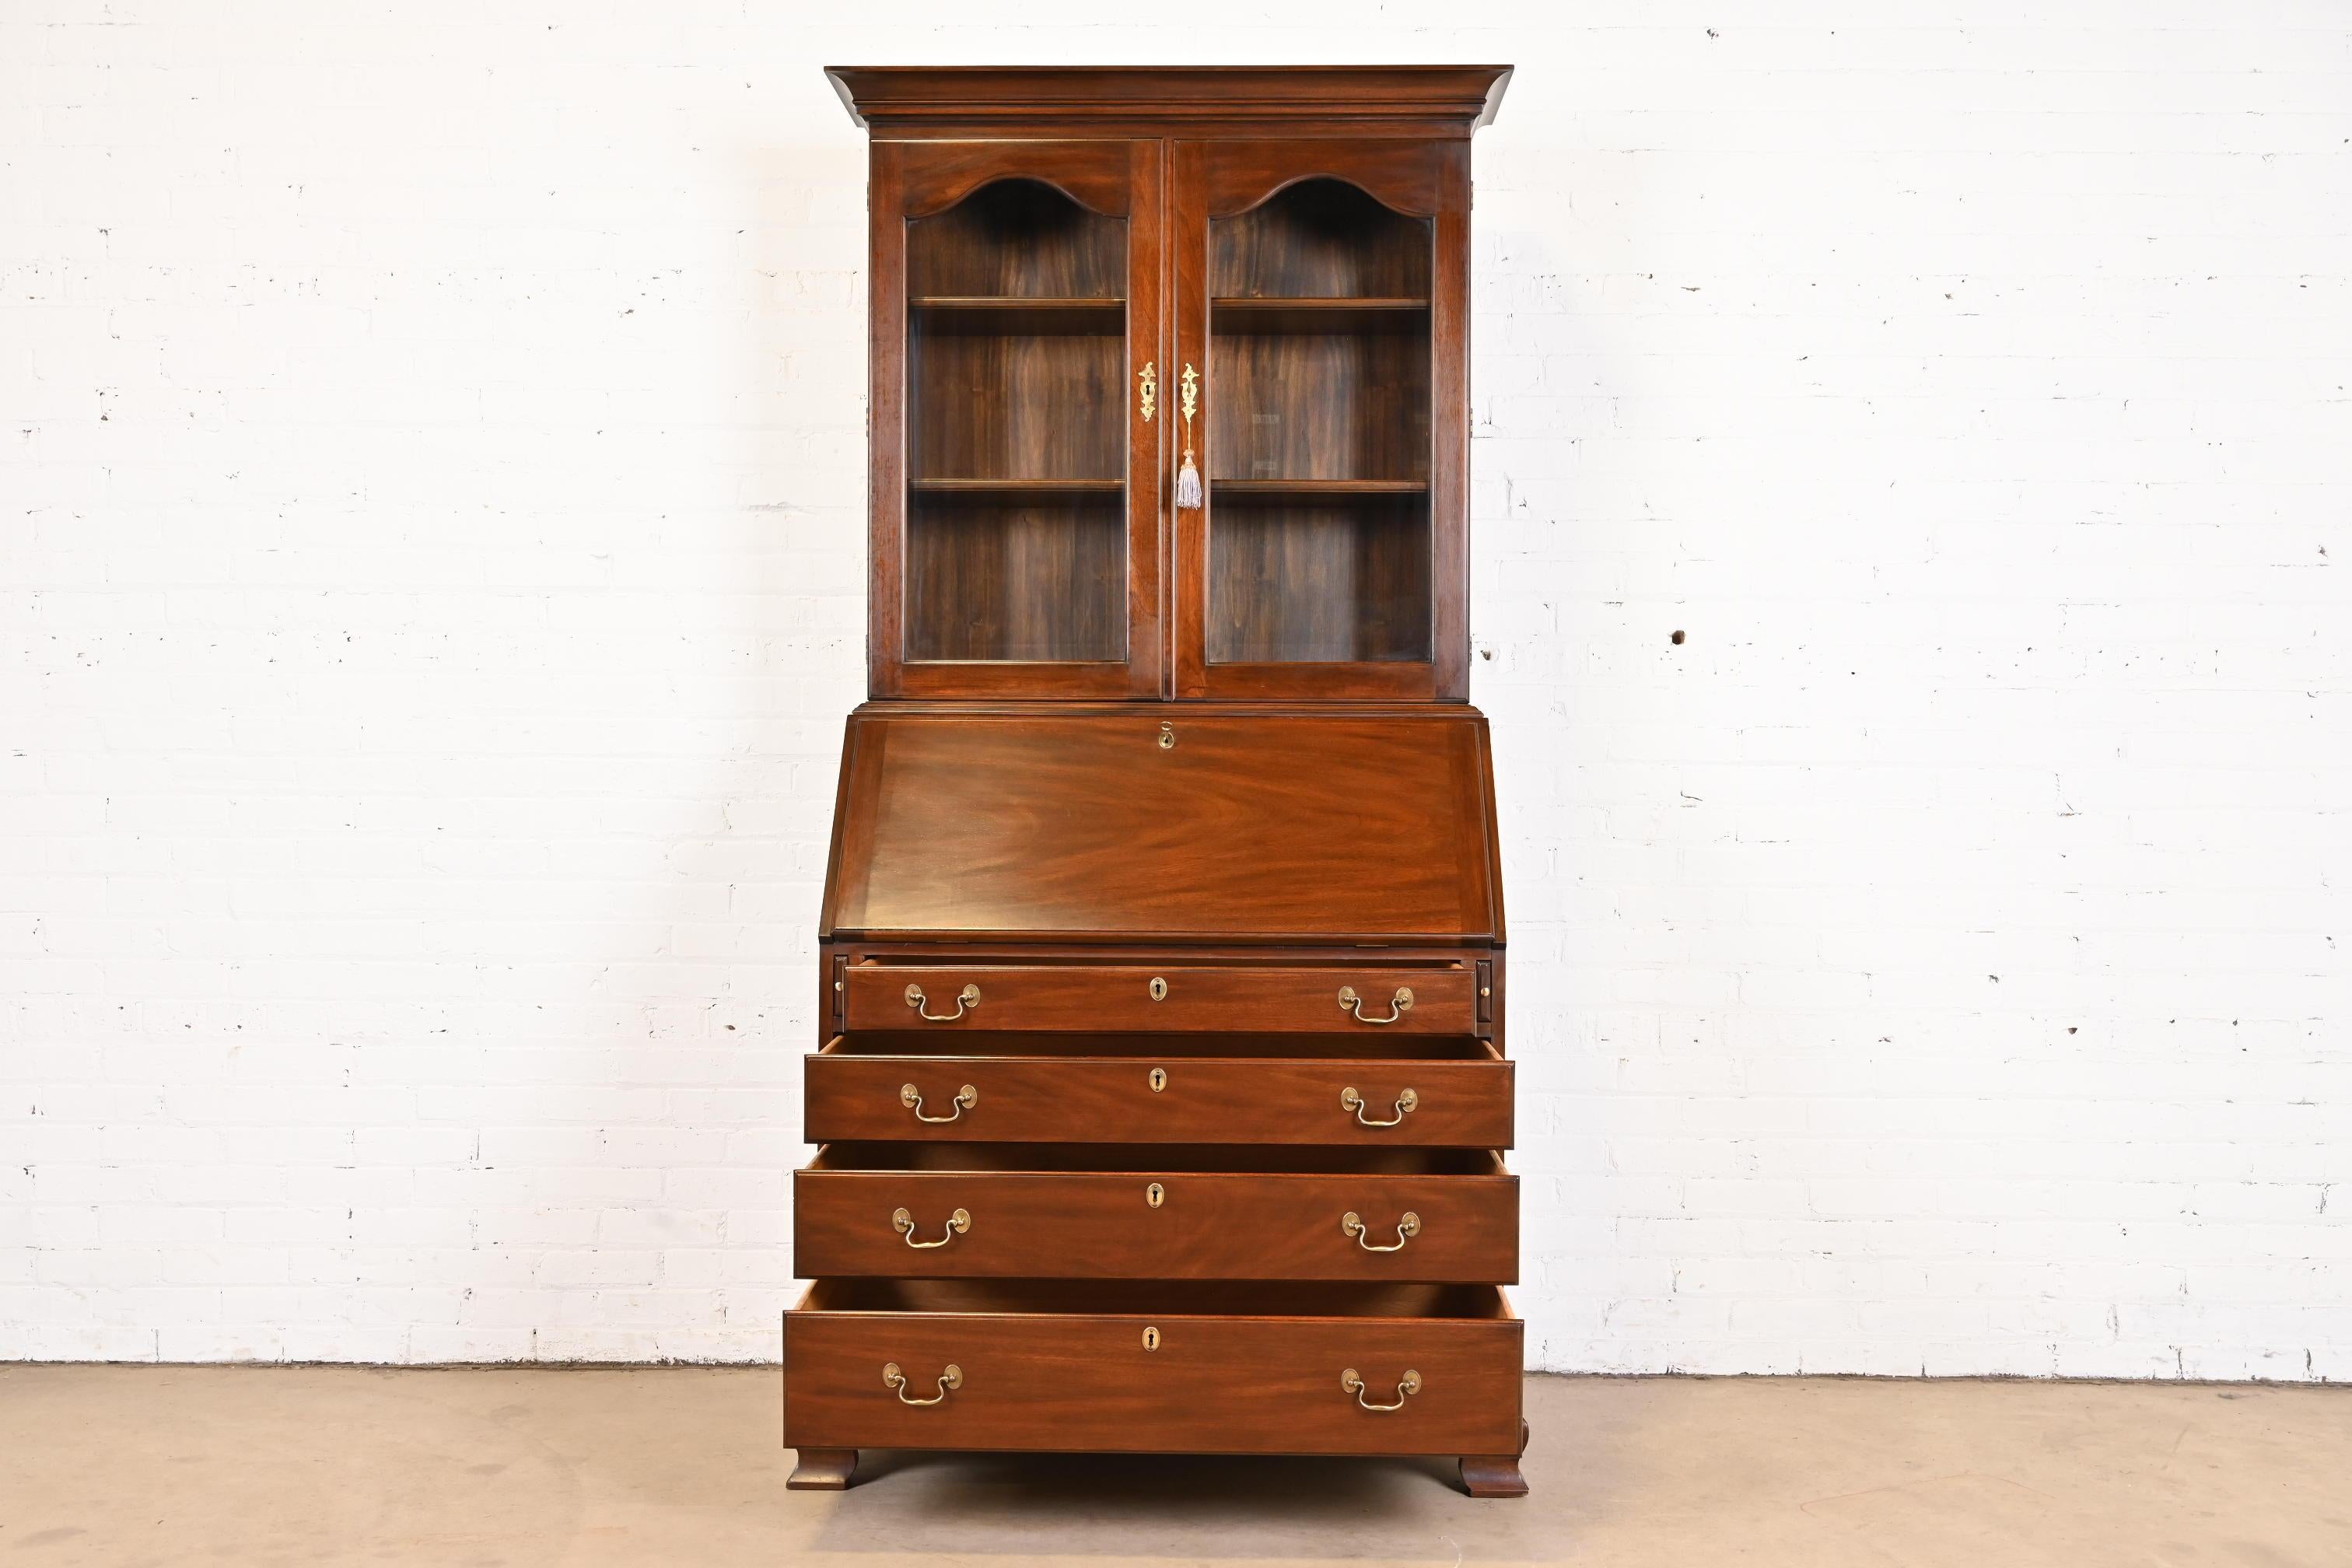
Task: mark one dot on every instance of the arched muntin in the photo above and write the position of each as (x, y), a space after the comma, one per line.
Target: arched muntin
(1320, 236)
(1021, 236)
(1095, 175)
(1238, 176)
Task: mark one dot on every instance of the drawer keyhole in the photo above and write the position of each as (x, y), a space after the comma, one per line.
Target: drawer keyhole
(1153, 1193)
(1151, 1338)
(1159, 988)
(1159, 1079)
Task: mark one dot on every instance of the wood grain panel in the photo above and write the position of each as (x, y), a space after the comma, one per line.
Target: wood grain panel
(1042, 1372)
(852, 1093)
(1209, 1225)
(1096, 997)
(1094, 173)
(1241, 175)
(1322, 404)
(1339, 580)
(1334, 828)
(1043, 580)
(1017, 235)
(1319, 235)
(1015, 406)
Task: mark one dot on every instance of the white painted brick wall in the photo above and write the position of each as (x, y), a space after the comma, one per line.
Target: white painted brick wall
(430, 535)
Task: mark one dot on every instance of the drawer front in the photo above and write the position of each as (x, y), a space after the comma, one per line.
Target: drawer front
(1215, 1386)
(1404, 999)
(1105, 1225)
(1159, 1100)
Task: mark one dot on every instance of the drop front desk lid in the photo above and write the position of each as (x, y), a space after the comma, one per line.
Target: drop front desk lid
(1360, 826)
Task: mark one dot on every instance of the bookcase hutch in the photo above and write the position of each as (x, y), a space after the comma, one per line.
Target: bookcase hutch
(1162, 1090)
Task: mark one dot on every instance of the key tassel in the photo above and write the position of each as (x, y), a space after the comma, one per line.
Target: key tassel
(1188, 485)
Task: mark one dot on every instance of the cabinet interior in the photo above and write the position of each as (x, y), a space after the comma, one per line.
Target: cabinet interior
(1320, 357)
(1016, 414)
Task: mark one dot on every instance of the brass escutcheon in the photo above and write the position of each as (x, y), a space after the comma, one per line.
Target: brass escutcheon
(1153, 1193)
(1159, 1079)
(1159, 988)
(1151, 1338)
(1167, 736)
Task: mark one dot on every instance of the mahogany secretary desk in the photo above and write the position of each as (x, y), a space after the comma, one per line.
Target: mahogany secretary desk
(1161, 1091)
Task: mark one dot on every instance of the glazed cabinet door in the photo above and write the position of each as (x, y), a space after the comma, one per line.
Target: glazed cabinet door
(1018, 403)
(1322, 308)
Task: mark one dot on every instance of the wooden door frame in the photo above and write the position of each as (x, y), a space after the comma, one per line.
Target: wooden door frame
(1422, 178)
(1120, 177)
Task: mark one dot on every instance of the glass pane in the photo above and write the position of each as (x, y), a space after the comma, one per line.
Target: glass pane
(1320, 430)
(1017, 360)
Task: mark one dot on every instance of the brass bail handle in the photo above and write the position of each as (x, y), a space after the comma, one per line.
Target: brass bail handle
(966, 999)
(912, 1098)
(1406, 1104)
(1353, 1224)
(1398, 1004)
(903, 1223)
(892, 1378)
(1407, 1386)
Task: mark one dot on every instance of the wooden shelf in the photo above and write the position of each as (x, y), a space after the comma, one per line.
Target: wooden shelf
(1017, 313)
(1306, 489)
(1015, 488)
(1343, 313)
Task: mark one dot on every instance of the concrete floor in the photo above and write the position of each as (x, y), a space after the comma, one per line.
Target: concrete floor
(257, 1465)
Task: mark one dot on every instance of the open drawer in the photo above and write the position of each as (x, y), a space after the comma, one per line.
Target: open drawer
(1015, 1211)
(1409, 1091)
(1152, 1367)
(1436, 996)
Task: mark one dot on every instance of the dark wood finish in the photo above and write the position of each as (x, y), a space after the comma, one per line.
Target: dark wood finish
(1462, 1100)
(1331, 402)
(1493, 1476)
(823, 1470)
(1038, 579)
(1345, 592)
(1319, 233)
(1015, 290)
(977, 824)
(1097, 174)
(1097, 998)
(1058, 1366)
(1409, 100)
(1260, 1223)
(1296, 577)
(1156, 903)
(998, 405)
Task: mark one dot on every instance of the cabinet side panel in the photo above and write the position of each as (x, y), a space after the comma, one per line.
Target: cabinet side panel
(886, 424)
(1449, 468)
